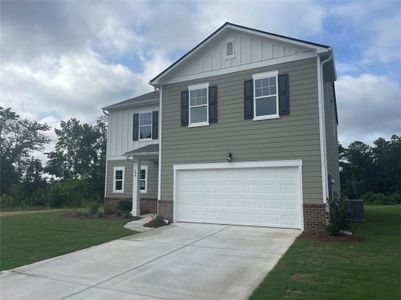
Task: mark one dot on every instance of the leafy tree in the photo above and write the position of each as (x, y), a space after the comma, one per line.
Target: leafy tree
(374, 168)
(387, 163)
(80, 152)
(19, 138)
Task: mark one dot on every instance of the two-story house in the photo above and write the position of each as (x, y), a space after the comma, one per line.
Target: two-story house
(240, 130)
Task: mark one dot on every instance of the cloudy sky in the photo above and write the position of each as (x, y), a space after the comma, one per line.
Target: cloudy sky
(62, 59)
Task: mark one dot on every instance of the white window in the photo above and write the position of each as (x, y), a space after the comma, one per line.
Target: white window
(265, 91)
(198, 105)
(229, 49)
(143, 179)
(145, 126)
(118, 180)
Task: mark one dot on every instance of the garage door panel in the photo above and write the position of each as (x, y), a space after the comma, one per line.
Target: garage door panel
(253, 196)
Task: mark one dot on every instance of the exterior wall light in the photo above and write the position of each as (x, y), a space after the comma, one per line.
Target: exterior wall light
(229, 157)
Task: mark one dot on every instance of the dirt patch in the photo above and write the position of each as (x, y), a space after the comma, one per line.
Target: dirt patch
(300, 277)
(73, 215)
(293, 293)
(27, 212)
(325, 237)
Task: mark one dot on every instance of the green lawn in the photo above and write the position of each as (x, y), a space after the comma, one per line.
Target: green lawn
(33, 237)
(339, 270)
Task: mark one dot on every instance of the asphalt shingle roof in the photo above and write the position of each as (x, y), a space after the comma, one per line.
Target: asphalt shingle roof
(148, 97)
(153, 148)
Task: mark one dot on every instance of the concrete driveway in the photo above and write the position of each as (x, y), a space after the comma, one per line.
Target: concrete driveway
(179, 261)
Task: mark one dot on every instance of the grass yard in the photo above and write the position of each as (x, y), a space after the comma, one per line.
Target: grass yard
(342, 270)
(33, 237)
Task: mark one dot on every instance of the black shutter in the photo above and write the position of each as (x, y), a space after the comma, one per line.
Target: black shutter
(283, 95)
(184, 108)
(248, 99)
(135, 127)
(155, 125)
(330, 184)
(213, 104)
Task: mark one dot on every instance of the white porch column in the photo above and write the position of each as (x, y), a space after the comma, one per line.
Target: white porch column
(135, 188)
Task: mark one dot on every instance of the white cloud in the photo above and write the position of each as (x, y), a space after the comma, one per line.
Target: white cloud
(294, 18)
(76, 85)
(384, 41)
(369, 107)
(373, 29)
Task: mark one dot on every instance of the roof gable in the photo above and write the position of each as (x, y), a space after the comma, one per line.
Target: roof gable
(252, 48)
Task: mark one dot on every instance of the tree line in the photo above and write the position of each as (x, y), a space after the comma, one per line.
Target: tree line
(372, 172)
(74, 174)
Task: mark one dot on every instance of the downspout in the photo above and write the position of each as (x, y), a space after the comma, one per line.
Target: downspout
(107, 152)
(159, 173)
(322, 119)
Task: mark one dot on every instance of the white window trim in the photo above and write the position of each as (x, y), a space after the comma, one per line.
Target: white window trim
(261, 76)
(114, 180)
(151, 126)
(227, 57)
(197, 87)
(144, 167)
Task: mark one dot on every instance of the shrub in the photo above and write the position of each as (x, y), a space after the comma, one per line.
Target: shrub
(109, 210)
(157, 221)
(71, 193)
(124, 205)
(93, 209)
(100, 212)
(126, 214)
(7, 201)
(83, 212)
(395, 198)
(338, 216)
(380, 199)
(38, 198)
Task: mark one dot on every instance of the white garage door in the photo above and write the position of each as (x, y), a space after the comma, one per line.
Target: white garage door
(268, 196)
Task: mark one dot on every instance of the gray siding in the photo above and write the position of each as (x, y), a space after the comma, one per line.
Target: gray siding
(152, 180)
(295, 136)
(331, 137)
(128, 179)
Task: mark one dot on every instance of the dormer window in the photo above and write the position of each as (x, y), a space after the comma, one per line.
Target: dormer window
(229, 49)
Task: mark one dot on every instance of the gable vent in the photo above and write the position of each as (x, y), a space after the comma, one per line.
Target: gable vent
(230, 49)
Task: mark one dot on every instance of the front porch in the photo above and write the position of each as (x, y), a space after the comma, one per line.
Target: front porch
(143, 159)
(138, 171)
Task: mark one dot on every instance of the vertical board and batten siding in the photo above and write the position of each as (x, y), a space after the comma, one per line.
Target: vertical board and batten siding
(128, 178)
(331, 137)
(295, 136)
(248, 48)
(120, 126)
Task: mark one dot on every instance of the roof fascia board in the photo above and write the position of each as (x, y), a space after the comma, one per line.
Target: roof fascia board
(283, 39)
(137, 104)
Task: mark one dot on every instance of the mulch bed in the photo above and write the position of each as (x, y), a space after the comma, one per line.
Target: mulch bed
(154, 224)
(74, 215)
(325, 237)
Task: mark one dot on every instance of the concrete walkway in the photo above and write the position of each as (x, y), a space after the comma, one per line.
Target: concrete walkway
(179, 261)
(137, 225)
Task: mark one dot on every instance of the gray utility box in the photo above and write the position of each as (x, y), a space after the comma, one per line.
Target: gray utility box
(355, 209)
